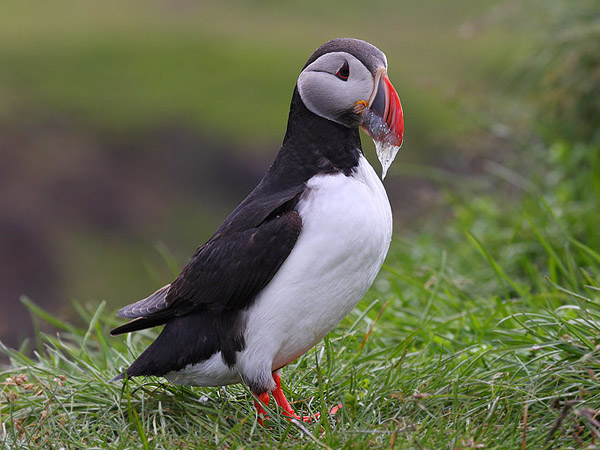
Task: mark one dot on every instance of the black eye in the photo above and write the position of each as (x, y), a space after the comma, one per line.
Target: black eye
(344, 72)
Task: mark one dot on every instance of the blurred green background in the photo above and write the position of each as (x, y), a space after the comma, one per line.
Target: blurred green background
(129, 130)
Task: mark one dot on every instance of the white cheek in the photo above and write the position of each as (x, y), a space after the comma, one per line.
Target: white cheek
(327, 96)
(320, 93)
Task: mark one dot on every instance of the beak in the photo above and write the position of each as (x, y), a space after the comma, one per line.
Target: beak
(388, 123)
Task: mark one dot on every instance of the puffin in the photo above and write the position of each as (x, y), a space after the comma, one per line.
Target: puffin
(298, 253)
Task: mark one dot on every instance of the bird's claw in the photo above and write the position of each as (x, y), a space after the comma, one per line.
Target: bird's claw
(283, 403)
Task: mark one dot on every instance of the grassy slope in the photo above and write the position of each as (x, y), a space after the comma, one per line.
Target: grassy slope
(480, 334)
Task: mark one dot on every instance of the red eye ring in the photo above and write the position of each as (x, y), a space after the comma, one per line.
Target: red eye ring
(344, 72)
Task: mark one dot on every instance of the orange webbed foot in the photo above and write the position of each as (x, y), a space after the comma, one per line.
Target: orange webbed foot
(282, 402)
(288, 411)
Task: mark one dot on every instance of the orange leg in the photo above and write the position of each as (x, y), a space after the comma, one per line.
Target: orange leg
(264, 398)
(283, 403)
(287, 408)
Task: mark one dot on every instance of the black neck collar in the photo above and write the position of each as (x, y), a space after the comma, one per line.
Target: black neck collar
(334, 147)
(313, 144)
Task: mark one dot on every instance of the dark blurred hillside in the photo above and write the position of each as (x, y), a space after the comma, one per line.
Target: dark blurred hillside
(64, 184)
(129, 131)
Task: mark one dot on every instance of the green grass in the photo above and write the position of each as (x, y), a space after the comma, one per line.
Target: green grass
(480, 333)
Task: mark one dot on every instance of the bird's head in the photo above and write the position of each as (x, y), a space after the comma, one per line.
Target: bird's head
(345, 81)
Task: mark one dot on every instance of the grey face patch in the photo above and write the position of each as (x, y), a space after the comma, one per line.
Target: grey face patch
(328, 95)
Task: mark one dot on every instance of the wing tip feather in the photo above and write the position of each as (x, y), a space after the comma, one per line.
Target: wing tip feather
(134, 310)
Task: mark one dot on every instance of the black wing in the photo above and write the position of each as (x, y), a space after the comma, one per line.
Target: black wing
(224, 274)
(229, 269)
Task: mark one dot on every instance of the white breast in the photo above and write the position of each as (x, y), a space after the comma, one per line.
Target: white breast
(346, 233)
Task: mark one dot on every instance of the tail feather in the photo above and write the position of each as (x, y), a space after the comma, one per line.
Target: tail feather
(140, 323)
